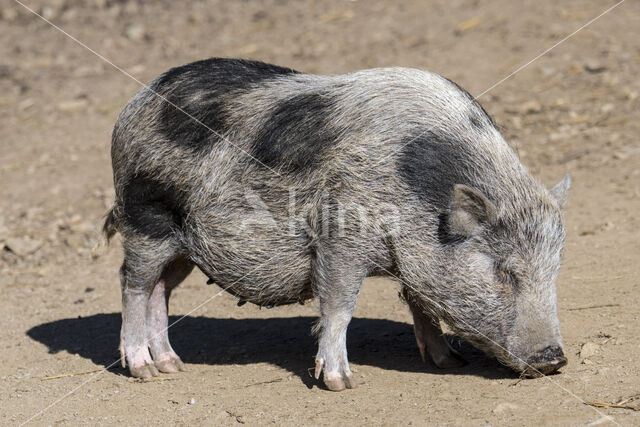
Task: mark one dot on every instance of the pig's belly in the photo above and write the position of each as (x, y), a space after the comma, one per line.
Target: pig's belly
(263, 266)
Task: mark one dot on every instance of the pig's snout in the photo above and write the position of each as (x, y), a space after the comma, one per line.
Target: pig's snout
(545, 362)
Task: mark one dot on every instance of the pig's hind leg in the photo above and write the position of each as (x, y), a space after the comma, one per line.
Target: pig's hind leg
(337, 284)
(166, 360)
(145, 260)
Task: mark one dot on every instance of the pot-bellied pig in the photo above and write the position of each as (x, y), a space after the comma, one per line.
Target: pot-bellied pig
(282, 186)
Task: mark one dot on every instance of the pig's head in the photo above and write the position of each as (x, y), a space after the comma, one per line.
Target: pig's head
(501, 293)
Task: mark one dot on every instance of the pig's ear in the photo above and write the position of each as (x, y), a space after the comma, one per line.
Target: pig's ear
(469, 209)
(561, 190)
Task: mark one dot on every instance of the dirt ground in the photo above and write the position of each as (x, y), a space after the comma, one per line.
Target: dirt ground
(573, 110)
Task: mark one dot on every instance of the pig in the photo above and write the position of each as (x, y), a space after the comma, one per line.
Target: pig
(282, 186)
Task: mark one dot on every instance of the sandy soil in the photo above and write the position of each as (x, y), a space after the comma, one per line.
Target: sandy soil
(573, 110)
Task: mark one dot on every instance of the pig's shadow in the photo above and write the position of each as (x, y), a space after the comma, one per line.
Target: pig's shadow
(284, 341)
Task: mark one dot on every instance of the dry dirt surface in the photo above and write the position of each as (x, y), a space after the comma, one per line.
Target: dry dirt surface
(574, 110)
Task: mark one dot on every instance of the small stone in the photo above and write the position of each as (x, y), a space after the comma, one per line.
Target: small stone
(613, 138)
(619, 155)
(73, 105)
(505, 407)
(22, 246)
(516, 122)
(249, 49)
(589, 349)
(137, 69)
(548, 71)
(602, 420)
(530, 107)
(48, 13)
(576, 117)
(136, 33)
(607, 108)
(629, 94)
(557, 136)
(83, 227)
(75, 241)
(192, 401)
(586, 362)
(594, 66)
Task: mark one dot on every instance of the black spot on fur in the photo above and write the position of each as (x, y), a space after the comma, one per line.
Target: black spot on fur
(431, 165)
(297, 133)
(201, 90)
(446, 236)
(151, 208)
(478, 116)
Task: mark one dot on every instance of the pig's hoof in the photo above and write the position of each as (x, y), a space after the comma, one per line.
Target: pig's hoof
(144, 371)
(338, 382)
(448, 361)
(169, 363)
(335, 381)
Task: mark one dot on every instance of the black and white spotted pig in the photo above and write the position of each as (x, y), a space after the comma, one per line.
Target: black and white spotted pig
(270, 181)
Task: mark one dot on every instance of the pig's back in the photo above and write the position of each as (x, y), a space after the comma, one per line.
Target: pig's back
(225, 145)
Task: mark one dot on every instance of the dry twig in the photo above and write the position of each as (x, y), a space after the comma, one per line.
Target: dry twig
(593, 306)
(621, 404)
(277, 380)
(150, 380)
(72, 374)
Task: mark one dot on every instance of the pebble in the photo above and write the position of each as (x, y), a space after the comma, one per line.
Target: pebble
(588, 349)
(22, 246)
(516, 122)
(136, 33)
(137, 69)
(192, 401)
(548, 71)
(75, 241)
(529, 107)
(557, 136)
(603, 420)
(73, 105)
(594, 66)
(83, 227)
(503, 407)
(607, 108)
(48, 12)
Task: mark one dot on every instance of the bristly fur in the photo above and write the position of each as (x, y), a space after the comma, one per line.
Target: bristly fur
(285, 200)
(109, 229)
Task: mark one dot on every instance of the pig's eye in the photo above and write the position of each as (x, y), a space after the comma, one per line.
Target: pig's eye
(505, 275)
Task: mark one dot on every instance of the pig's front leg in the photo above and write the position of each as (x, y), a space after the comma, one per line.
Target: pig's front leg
(431, 341)
(337, 286)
